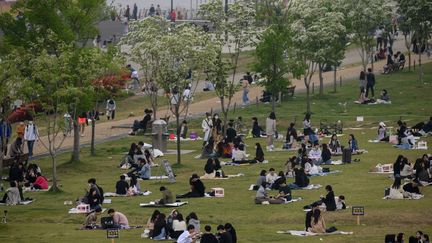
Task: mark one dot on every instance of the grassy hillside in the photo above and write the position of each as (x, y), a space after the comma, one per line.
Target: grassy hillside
(46, 220)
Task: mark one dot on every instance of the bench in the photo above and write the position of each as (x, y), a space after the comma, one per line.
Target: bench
(7, 162)
(288, 91)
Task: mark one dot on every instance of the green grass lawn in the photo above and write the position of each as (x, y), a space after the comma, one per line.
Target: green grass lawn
(46, 220)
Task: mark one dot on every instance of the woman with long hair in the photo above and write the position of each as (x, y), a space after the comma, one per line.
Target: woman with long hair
(270, 130)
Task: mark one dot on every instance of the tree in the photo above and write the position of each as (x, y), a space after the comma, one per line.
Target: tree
(316, 32)
(170, 58)
(233, 29)
(417, 18)
(363, 18)
(273, 59)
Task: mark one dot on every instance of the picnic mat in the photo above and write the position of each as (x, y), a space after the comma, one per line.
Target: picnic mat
(21, 203)
(30, 189)
(99, 227)
(113, 194)
(167, 205)
(310, 187)
(75, 211)
(222, 178)
(305, 233)
(294, 200)
(413, 197)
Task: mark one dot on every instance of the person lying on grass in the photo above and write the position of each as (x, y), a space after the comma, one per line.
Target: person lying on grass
(197, 188)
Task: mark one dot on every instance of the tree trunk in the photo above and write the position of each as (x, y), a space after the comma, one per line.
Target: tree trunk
(420, 67)
(1, 163)
(92, 143)
(76, 142)
(335, 78)
(273, 102)
(178, 136)
(409, 60)
(308, 109)
(54, 187)
(321, 79)
(225, 114)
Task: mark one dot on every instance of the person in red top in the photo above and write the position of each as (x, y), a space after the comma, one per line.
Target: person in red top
(173, 15)
(41, 182)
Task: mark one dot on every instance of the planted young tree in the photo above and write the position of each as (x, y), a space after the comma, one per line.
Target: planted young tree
(315, 27)
(141, 46)
(273, 52)
(233, 30)
(363, 18)
(417, 18)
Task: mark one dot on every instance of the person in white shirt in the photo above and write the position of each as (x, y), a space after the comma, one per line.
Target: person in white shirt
(315, 154)
(110, 108)
(31, 135)
(188, 236)
(207, 125)
(271, 176)
(187, 96)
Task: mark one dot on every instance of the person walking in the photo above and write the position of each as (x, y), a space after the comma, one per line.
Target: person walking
(31, 135)
(362, 84)
(135, 12)
(110, 108)
(127, 13)
(370, 78)
(245, 86)
(270, 130)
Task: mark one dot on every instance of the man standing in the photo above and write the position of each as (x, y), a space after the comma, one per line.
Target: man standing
(370, 77)
(127, 13)
(135, 12)
(152, 10)
(31, 135)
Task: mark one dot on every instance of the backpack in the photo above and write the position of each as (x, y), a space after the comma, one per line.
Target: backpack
(107, 222)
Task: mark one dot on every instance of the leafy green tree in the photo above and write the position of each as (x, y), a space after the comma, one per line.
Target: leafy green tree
(233, 29)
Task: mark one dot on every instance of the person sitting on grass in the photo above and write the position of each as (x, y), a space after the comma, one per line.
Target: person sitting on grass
(326, 155)
(149, 158)
(122, 186)
(334, 145)
(397, 191)
(280, 180)
(256, 128)
(328, 202)
(94, 196)
(290, 165)
(208, 236)
(340, 202)
(291, 137)
(412, 187)
(197, 188)
(91, 219)
(406, 170)
(160, 225)
(309, 214)
(134, 186)
(12, 195)
(231, 133)
(352, 144)
(178, 226)
(167, 196)
(119, 219)
(285, 192)
(301, 179)
(188, 236)
(209, 169)
(382, 133)
(271, 177)
(230, 229)
(41, 182)
(317, 224)
(423, 172)
(240, 156)
(192, 219)
(260, 180)
(315, 154)
(208, 150)
(223, 235)
(145, 172)
(384, 98)
(259, 153)
(423, 128)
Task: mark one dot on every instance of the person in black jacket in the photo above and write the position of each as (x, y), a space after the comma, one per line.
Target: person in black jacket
(122, 186)
(256, 128)
(197, 188)
(208, 236)
(326, 155)
(259, 153)
(397, 166)
(301, 179)
(329, 199)
(370, 77)
(309, 215)
(230, 133)
(412, 187)
(230, 229)
(224, 237)
(401, 131)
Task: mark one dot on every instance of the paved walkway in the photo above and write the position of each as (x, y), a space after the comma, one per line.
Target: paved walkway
(104, 131)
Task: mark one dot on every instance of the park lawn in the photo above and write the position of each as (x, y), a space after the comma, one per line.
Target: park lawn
(46, 219)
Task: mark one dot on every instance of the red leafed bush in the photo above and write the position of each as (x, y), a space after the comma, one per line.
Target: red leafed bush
(113, 82)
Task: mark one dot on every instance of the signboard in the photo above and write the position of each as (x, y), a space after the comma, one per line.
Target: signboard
(112, 233)
(360, 118)
(358, 210)
(169, 171)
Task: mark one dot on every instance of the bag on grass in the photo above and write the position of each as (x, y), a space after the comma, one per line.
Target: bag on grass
(107, 222)
(331, 229)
